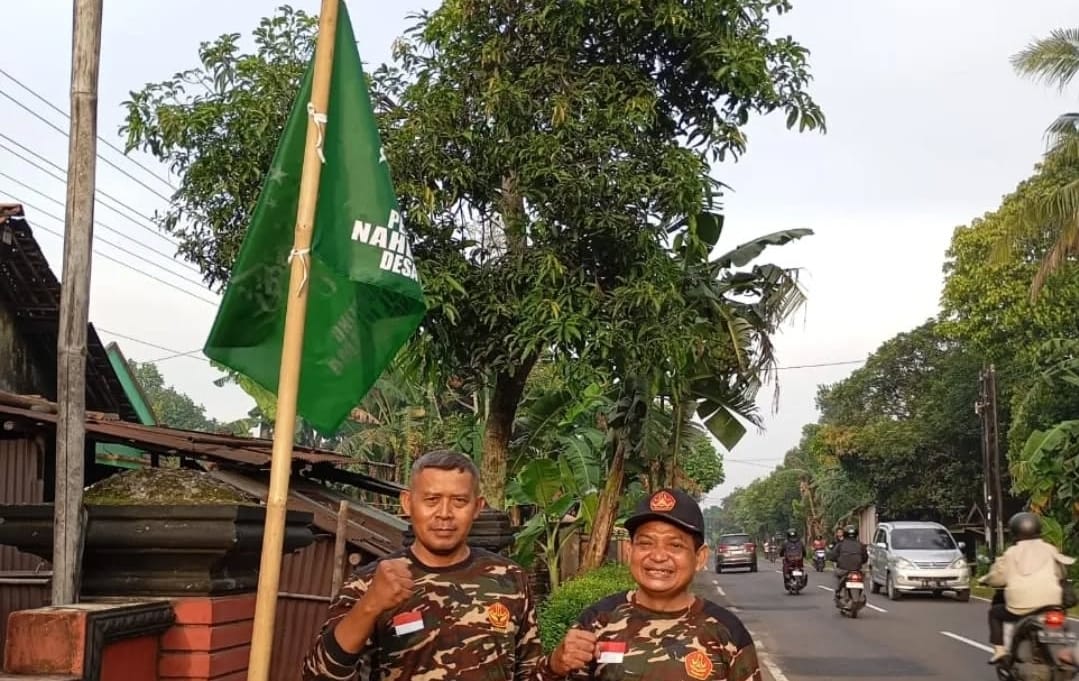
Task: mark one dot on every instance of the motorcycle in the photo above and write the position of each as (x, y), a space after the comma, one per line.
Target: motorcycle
(795, 578)
(852, 595)
(818, 560)
(1034, 644)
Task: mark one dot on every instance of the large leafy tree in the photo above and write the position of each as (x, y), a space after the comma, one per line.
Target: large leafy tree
(535, 145)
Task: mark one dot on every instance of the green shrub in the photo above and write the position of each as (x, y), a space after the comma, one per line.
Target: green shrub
(566, 604)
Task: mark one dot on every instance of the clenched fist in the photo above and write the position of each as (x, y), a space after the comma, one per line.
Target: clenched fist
(575, 651)
(391, 586)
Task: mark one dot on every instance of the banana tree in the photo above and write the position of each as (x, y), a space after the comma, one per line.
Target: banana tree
(728, 315)
(554, 488)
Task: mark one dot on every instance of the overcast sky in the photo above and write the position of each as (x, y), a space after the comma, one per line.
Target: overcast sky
(928, 127)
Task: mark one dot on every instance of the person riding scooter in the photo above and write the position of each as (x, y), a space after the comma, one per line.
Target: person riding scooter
(793, 552)
(1029, 572)
(849, 555)
(820, 550)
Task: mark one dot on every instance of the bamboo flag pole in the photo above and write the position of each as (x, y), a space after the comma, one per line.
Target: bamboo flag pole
(291, 354)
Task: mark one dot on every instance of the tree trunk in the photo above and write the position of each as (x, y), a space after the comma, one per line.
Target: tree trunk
(669, 465)
(606, 511)
(502, 410)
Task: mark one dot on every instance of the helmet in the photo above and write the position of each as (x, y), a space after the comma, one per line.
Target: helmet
(792, 534)
(850, 532)
(1025, 526)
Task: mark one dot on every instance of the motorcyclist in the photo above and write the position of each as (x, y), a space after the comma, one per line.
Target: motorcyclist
(793, 551)
(819, 543)
(849, 555)
(1029, 572)
(838, 538)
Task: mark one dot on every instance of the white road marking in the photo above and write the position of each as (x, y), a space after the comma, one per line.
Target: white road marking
(765, 659)
(721, 592)
(826, 588)
(964, 639)
(986, 600)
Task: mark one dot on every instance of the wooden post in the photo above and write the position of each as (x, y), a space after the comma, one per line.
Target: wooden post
(291, 355)
(339, 546)
(75, 303)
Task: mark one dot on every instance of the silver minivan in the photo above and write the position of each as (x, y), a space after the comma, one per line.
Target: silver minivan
(908, 557)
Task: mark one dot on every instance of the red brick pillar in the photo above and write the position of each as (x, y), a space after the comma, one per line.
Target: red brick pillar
(210, 640)
(104, 641)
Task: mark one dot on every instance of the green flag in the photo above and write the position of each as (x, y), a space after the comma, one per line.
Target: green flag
(364, 295)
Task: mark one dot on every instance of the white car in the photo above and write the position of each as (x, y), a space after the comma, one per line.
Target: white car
(908, 557)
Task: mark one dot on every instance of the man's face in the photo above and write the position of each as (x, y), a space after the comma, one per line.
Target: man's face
(442, 506)
(662, 558)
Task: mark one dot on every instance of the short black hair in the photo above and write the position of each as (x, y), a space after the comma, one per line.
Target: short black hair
(447, 460)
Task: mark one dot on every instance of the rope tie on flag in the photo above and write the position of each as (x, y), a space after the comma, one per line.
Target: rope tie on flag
(302, 254)
(319, 119)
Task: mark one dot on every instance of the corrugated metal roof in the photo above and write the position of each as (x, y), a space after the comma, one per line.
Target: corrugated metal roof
(168, 441)
(30, 289)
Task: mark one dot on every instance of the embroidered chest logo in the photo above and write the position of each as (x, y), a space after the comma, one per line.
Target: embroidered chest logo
(662, 502)
(698, 665)
(498, 615)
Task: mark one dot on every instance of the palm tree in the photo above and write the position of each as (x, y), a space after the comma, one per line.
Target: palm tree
(1055, 61)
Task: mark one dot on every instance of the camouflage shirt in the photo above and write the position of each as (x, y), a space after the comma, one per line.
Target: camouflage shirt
(704, 643)
(474, 621)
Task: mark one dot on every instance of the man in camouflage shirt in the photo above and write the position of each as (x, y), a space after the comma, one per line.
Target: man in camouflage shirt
(660, 631)
(438, 610)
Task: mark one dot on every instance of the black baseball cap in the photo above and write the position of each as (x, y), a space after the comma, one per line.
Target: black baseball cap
(672, 506)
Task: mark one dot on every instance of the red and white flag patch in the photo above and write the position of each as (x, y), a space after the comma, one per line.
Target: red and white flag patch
(407, 622)
(611, 652)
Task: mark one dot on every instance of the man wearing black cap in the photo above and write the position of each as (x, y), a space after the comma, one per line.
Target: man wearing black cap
(659, 631)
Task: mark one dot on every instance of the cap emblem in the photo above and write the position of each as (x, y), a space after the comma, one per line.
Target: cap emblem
(662, 502)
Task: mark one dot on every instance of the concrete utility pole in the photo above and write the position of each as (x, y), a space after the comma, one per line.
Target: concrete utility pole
(986, 408)
(75, 303)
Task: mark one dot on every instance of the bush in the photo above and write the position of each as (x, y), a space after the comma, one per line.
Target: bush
(566, 604)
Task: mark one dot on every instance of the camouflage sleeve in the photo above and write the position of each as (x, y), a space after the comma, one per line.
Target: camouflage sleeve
(326, 661)
(543, 671)
(744, 665)
(529, 647)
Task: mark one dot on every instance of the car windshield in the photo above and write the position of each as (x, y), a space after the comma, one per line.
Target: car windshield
(922, 539)
(731, 539)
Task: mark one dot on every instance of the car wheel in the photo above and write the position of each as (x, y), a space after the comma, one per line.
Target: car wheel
(963, 596)
(893, 593)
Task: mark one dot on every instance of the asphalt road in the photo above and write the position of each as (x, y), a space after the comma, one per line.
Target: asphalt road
(804, 638)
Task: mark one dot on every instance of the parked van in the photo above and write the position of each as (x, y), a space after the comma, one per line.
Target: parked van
(907, 557)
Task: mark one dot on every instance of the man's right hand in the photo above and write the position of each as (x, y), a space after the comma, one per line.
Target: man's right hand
(391, 585)
(575, 651)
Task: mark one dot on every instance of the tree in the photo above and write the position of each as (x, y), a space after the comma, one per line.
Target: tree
(216, 127)
(1055, 60)
(985, 303)
(175, 409)
(906, 411)
(533, 145)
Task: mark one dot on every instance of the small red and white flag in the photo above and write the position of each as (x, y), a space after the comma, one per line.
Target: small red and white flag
(611, 652)
(407, 622)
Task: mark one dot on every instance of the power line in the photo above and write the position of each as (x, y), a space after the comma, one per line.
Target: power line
(106, 256)
(106, 226)
(118, 247)
(65, 133)
(822, 364)
(101, 192)
(104, 141)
